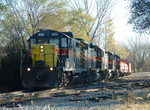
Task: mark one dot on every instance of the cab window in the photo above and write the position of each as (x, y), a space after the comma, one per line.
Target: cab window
(64, 42)
(111, 57)
(118, 59)
(102, 53)
(54, 41)
(32, 42)
(99, 54)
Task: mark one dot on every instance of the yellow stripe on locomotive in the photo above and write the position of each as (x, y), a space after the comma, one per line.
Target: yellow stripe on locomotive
(44, 52)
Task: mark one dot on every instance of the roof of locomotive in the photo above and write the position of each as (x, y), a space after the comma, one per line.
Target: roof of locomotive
(52, 33)
(116, 55)
(107, 51)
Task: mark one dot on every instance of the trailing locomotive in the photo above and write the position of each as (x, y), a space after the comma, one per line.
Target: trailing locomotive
(57, 59)
(125, 67)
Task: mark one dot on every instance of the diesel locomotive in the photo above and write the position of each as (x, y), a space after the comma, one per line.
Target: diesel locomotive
(56, 59)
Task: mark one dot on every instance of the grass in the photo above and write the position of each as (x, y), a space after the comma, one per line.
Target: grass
(133, 102)
(134, 106)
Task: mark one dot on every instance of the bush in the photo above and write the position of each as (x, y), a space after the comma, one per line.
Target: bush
(10, 67)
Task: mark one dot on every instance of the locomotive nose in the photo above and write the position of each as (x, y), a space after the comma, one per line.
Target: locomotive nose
(40, 65)
(40, 75)
(43, 55)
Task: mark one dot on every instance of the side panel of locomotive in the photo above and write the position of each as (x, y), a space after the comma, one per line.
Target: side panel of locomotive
(117, 71)
(74, 65)
(99, 65)
(109, 65)
(87, 62)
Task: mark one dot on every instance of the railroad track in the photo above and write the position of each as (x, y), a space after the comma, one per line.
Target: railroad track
(20, 96)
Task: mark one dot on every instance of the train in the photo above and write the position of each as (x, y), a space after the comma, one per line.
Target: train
(56, 59)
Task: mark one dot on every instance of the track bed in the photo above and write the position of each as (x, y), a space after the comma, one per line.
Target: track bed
(95, 95)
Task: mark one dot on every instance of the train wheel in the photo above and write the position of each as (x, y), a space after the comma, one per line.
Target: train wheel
(108, 76)
(118, 74)
(65, 80)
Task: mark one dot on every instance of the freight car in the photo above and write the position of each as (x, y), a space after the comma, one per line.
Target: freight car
(58, 59)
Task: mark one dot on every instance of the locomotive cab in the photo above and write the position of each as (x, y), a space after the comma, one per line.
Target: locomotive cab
(117, 72)
(43, 65)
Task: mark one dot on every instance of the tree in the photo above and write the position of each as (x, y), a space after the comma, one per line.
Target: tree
(109, 43)
(108, 33)
(139, 48)
(2, 6)
(39, 11)
(139, 52)
(24, 18)
(56, 21)
(98, 9)
(77, 20)
(140, 15)
(19, 21)
(122, 50)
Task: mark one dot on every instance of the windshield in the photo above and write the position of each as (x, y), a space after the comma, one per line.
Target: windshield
(111, 57)
(49, 41)
(54, 41)
(44, 41)
(118, 59)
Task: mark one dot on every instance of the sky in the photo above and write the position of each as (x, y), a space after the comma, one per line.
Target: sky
(120, 14)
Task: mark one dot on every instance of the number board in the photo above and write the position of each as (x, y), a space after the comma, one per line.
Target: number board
(41, 34)
(54, 34)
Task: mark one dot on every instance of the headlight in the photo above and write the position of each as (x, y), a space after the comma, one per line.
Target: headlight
(51, 68)
(41, 50)
(28, 69)
(41, 46)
